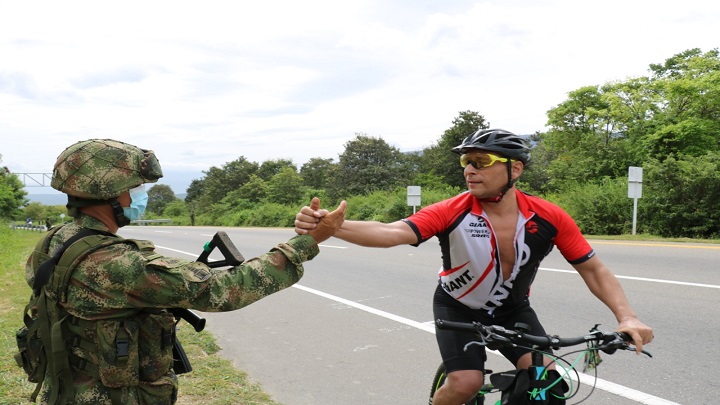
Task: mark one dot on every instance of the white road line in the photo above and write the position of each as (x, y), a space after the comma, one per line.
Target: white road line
(175, 250)
(652, 280)
(418, 325)
(604, 385)
(429, 327)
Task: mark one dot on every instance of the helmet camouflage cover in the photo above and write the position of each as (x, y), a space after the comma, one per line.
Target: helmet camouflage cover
(100, 169)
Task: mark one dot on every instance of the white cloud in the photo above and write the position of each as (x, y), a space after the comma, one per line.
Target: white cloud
(204, 83)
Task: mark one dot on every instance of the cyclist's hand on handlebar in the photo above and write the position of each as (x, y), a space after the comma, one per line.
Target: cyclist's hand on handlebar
(640, 333)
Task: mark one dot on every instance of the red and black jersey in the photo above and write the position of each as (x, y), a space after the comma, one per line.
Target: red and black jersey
(471, 270)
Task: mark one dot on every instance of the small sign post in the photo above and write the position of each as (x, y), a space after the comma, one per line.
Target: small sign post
(635, 175)
(413, 196)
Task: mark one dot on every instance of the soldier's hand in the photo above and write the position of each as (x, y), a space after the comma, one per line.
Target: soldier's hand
(329, 223)
(308, 217)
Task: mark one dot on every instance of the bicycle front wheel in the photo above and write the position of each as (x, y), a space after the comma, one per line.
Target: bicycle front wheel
(438, 382)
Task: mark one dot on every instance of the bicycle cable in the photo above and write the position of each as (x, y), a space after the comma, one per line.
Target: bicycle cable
(567, 366)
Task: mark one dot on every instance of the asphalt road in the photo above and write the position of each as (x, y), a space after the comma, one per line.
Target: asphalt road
(358, 326)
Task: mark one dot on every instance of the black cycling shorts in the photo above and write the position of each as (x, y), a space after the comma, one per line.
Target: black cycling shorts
(452, 342)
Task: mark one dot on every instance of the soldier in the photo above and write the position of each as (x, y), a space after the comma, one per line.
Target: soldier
(108, 320)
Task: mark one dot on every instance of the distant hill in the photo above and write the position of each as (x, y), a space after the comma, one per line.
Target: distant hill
(48, 199)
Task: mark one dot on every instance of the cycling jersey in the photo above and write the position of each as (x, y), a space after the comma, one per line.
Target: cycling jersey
(471, 271)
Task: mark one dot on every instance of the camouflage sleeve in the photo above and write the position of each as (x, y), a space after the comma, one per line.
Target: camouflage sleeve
(256, 278)
(119, 279)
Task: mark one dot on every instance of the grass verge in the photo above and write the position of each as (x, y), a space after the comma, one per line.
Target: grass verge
(214, 380)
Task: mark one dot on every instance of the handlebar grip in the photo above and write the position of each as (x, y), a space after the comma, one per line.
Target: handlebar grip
(624, 336)
(444, 324)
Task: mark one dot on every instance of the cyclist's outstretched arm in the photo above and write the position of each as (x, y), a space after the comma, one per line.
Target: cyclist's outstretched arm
(363, 233)
(376, 234)
(604, 285)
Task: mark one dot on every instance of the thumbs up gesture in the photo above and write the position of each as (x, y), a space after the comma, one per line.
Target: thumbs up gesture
(321, 224)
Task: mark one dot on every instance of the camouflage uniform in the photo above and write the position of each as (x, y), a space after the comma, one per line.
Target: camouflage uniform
(118, 283)
(121, 290)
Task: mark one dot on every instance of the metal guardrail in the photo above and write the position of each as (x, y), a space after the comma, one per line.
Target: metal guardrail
(43, 228)
(37, 228)
(151, 221)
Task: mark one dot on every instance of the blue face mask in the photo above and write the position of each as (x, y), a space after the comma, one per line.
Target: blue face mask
(138, 203)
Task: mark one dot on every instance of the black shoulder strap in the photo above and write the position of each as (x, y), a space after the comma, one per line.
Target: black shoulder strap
(43, 273)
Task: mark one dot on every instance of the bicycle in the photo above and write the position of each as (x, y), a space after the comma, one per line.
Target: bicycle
(537, 384)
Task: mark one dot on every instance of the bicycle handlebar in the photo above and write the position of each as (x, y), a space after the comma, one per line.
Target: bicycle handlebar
(494, 337)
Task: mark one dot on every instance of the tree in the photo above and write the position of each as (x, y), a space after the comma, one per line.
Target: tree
(159, 196)
(12, 194)
(667, 123)
(688, 120)
(632, 106)
(177, 208)
(601, 130)
(535, 178)
(439, 160)
(411, 164)
(255, 190)
(219, 181)
(269, 168)
(316, 172)
(585, 141)
(680, 196)
(286, 187)
(679, 65)
(367, 164)
(195, 190)
(43, 214)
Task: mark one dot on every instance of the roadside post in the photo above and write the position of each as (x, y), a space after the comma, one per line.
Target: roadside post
(413, 196)
(635, 175)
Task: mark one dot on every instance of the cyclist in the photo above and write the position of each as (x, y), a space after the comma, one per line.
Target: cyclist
(492, 239)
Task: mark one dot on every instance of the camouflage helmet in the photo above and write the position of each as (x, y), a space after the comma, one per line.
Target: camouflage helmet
(100, 169)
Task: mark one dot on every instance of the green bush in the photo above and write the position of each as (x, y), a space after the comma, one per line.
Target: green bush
(390, 206)
(680, 197)
(272, 215)
(177, 208)
(374, 206)
(598, 208)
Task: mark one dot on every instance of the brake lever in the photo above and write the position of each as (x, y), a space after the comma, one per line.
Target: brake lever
(632, 348)
(613, 345)
(495, 341)
(485, 341)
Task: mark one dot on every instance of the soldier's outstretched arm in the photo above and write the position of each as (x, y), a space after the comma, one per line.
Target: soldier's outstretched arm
(281, 267)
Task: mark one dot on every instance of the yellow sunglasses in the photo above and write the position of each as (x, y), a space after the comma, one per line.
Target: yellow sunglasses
(480, 160)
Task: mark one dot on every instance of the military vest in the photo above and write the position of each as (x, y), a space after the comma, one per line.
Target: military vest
(54, 346)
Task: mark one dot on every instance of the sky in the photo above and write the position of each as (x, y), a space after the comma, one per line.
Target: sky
(203, 83)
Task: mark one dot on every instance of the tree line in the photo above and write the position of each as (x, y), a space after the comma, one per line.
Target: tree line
(667, 122)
